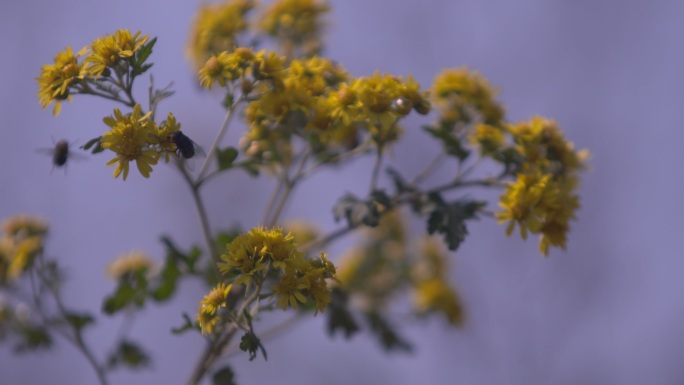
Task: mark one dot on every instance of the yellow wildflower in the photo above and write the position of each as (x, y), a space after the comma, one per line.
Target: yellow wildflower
(216, 28)
(164, 136)
(436, 295)
(289, 290)
(24, 225)
(253, 252)
(56, 79)
(23, 254)
(110, 50)
(130, 263)
(130, 137)
(296, 25)
(489, 139)
(464, 96)
(208, 316)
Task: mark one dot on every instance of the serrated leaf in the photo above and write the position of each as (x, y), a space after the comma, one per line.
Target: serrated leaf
(225, 157)
(224, 376)
(250, 343)
(449, 220)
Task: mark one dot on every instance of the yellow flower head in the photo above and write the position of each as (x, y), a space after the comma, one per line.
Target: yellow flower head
(164, 136)
(110, 50)
(435, 295)
(296, 25)
(464, 96)
(216, 28)
(254, 251)
(489, 139)
(22, 226)
(208, 316)
(56, 79)
(289, 290)
(24, 252)
(130, 263)
(130, 137)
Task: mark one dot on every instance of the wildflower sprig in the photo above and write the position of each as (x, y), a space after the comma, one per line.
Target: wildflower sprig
(302, 113)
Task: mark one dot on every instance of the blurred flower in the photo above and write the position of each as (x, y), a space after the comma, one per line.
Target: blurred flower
(130, 263)
(296, 25)
(216, 28)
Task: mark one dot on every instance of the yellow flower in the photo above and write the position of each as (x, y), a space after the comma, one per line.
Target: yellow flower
(215, 29)
(489, 139)
(24, 226)
(208, 316)
(464, 96)
(56, 79)
(23, 254)
(130, 137)
(255, 251)
(436, 295)
(289, 290)
(296, 25)
(130, 263)
(110, 50)
(164, 136)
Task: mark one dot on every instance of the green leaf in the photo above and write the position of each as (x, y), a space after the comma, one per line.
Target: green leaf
(130, 355)
(79, 321)
(225, 157)
(188, 325)
(144, 52)
(389, 338)
(449, 220)
(339, 316)
(131, 291)
(142, 69)
(250, 166)
(358, 212)
(224, 376)
(250, 343)
(94, 142)
(32, 338)
(452, 144)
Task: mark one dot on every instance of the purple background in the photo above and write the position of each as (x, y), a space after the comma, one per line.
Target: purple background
(610, 310)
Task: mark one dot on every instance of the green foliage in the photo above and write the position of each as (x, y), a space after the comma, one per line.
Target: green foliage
(95, 144)
(79, 320)
(388, 337)
(362, 212)
(225, 157)
(339, 316)
(250, 343)
(31, 338)
(224, 376)
(449, 219)
(451, 143)
(130, 355)
(131, 291)
(138, 62)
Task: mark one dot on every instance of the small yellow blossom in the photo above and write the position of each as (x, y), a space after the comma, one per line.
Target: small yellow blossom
(164, 136)
(24, 225)
(489, 139)
(110, 50)
(130, 263)
(464, 96)
(131, 137)
(289, 290)
(208, 316)
(216, 28)
(23, 254)
(436, 295)
(56, 79)
(296, 25)
(251, 253)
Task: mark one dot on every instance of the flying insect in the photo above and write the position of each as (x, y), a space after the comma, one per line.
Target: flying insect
(60, 153)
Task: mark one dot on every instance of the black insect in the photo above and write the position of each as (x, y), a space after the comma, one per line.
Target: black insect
(185, 147)
(60, 153)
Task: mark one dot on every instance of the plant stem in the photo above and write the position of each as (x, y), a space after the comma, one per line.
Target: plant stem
(202, 213)
(217, 140)
(289, 184)
(376, 170)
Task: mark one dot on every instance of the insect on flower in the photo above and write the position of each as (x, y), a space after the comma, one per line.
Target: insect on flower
(186, 148)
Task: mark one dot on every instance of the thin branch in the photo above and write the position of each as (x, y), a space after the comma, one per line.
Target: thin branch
(217, 140)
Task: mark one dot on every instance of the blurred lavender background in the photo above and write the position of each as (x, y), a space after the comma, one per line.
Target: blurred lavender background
(610, 310)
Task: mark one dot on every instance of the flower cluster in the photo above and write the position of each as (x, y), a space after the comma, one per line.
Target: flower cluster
(21, 241)
(432, 291)
(130, 263)
(216, 29)
(77, 73)
(465, 97)
(543, 198)
(268, 260)
(296, 25)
